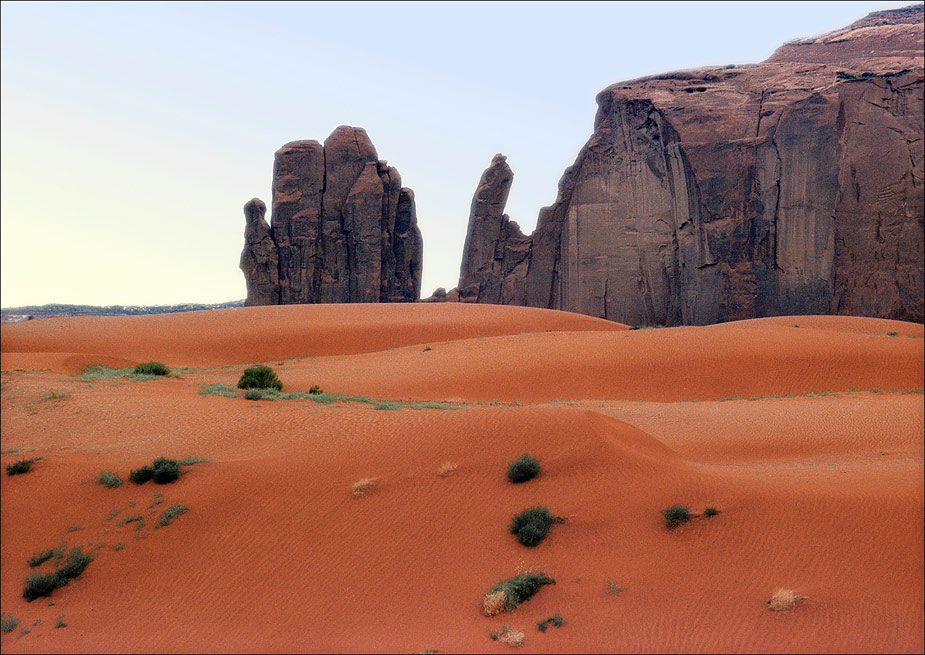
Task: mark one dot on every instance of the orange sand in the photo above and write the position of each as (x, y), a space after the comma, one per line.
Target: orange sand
(820, 494)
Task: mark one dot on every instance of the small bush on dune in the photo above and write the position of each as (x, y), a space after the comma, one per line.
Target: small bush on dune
(253, 394)
(8, 622)
(676, 515)
(40, 558)
(259, 377)
(513, 592)
(523, 468)
(151, 368)
(315, 390)
(161, 470)
(21, 466)
(165, 470)
(710, 511)
(109, 478)
(142, 475)
(532, 525)
(42, 584)
(446, 469)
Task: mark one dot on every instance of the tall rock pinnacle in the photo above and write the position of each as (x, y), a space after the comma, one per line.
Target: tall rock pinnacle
(343, 228)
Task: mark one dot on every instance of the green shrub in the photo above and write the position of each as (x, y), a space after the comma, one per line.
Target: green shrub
(40, 558)
(8, 622)
(520, 588)
(151, 368)
(710, 511)
(21, 466)
(76, 562)
(142, 475)
(253, 394)
(532, 525)
(556, 619)
(676, 515)
(165, 470)
(110, 479)
(259, 377)
(315, 389)
(42, 584)
(523, 469)
(60, 622)
(172, 512)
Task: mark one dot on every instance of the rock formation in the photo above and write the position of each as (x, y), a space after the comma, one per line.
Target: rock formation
(343, 228)
(794, 186)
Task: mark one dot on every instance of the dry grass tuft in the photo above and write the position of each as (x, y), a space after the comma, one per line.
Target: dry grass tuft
(360, 487)
(512, 636)
(494, 603)
(784, 599)
(446, 469)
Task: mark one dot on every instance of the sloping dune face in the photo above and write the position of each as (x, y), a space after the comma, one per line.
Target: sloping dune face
(374, 517)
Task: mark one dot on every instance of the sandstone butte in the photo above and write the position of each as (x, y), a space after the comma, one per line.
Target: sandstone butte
(343, 228)
(793, 186)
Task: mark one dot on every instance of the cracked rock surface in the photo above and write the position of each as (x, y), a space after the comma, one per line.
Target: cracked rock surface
(794, 186)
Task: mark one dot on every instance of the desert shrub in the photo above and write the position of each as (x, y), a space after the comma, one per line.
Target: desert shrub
(315, 389)
(532, 525)
(165, 470)
(42, 584)
(259, 377)
(60, 622)
(710, 511)
(253, 394)
(515, 591)
(40, 558)
(172, 512)
(8, 622)
(131, 517)
(77, 561)
(109, 478)
(142, 475)
(151, 368)
(523, 468)
(21, 466)
(676, 515)
(556, 619)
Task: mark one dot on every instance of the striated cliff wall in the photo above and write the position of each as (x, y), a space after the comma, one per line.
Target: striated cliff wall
(343, 228)
(794, 186)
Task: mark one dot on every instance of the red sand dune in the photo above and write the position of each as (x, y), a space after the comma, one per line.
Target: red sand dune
(822, 494)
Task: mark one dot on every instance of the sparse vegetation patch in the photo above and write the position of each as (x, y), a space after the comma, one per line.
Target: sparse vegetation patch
(676, 515)
(109, 479)
(171, 513)
(506, 595)
(556, 620)
(42, 584)
(20, 466)
(8, 623)
(41, 557)
(151, 368)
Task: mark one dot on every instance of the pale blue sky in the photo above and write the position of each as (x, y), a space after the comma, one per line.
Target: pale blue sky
(133, 134)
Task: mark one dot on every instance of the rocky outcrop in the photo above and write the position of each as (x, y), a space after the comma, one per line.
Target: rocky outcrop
(343, 228)
(789, 187)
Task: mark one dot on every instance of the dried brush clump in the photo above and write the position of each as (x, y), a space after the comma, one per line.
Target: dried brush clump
(512, 636)
(446, 469)
(783, 600)
(361, 487)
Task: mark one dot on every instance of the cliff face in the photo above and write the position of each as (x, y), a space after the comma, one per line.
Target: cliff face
(343, 228)
(794, 186)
